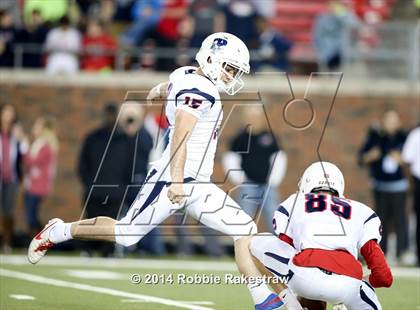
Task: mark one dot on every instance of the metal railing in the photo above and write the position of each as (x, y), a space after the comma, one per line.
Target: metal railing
(119, 53)
(390, 49)
(395, 48)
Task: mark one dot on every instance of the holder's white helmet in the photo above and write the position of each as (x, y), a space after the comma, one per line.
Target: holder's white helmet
(322, 176)
(218, 51)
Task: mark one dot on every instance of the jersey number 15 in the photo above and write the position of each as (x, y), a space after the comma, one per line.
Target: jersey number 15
(319, 203)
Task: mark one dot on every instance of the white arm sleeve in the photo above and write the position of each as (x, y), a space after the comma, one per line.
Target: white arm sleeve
(232, 166)
(279, 168)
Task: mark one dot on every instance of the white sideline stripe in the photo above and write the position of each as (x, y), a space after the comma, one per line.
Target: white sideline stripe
(207, 303)
(163, 264)
(22, 297)
(90, 288)
(96, 274)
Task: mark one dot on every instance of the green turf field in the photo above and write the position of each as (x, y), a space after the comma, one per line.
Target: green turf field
(76, 283)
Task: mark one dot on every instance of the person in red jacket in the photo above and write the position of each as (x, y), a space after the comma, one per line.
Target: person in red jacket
(319, 236)
(40, 168)
(98, 48)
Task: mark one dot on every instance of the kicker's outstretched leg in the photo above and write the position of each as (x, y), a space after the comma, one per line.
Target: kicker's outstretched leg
(56, 231)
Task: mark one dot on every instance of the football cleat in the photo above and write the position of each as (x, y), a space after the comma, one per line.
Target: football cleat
(271, 303)
(41, 243)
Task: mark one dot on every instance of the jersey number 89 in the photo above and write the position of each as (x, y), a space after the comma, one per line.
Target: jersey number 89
(319, 203)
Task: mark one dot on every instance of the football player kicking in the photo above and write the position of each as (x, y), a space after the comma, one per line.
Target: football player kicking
(319, 235)
(181, 178)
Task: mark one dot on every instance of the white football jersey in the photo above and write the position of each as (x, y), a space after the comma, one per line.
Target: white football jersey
(323, 221)
(197, 95)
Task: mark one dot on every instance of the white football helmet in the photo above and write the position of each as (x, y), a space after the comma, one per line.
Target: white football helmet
(322, 176)
(218, 51)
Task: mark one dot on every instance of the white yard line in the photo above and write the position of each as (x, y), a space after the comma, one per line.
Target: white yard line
(207, 303)
(101, 290)
(160, 264)
(22, 297)
(96, 274)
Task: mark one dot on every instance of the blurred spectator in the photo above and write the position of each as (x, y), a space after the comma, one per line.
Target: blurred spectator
(99, 167)
(63, 45)
(411, 155)
(123, 9)
(51, 10)
(273, 48)
(15, 9)
(102, 10)
(89, 8)
(35, 32)
(205, 18)
(328, 34)
(266, 8)
(382, 153)
(98, 48)
(257, 163)
(168, 32)
(146, 15)
(240, 20)
(13, 146)
(113, 165)
(40, 168)
(147, 58)
(8, 34)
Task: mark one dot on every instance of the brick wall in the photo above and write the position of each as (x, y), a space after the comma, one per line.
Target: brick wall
(78, 111)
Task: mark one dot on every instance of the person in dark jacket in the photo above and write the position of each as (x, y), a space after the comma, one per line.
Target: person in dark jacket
(8, 33)
(273, 47)
(257, 164)
(34, 32)
(103, 180)
(113, 164)
(382, 154)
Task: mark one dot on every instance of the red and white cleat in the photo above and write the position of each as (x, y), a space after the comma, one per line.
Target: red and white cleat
(41, 243)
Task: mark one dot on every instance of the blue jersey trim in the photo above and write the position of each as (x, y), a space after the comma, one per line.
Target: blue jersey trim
(367, 300)
(155, 192)
(371, 217)
(281, 259)
(283, 210)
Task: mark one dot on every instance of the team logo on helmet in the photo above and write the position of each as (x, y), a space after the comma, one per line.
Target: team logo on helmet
(218, 43)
